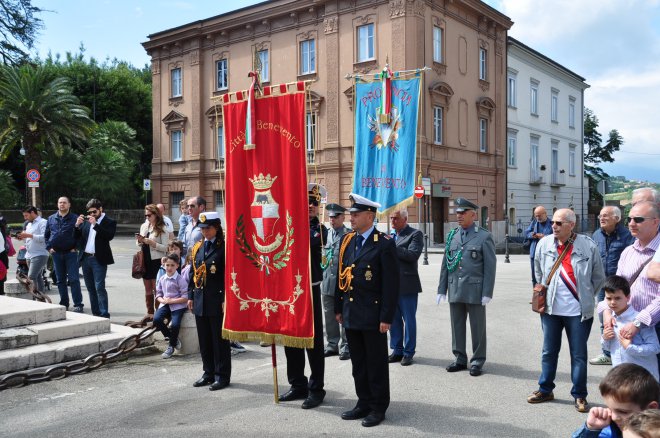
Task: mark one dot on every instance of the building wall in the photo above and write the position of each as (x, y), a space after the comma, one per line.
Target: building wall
(529, 187)
(403, 37)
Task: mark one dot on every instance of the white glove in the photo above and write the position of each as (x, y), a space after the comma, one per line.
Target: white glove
(440, 298)
(485, 300)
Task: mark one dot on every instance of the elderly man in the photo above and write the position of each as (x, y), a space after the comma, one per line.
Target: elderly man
(409, 246)
(333, 330)
(645, 194)
(578, 276)
(468, 275)
(365, 300)
(537, 230)
(643, 222)
(612, 238)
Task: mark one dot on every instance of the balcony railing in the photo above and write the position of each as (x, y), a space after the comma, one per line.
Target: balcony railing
(311, 156)
(535, 178)
(558, 179)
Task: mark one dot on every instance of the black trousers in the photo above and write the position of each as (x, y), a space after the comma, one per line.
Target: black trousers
(295, 357)
(215, 351)
(371, 371)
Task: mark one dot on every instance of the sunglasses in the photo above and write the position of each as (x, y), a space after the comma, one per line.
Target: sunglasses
(92, 211)
(148, 215)
(558, 223)
(638, 219)
(191, 206)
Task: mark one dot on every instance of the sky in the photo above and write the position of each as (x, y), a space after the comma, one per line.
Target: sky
(614, 44)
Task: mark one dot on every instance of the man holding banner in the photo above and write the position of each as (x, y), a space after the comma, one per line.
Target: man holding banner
(365, 300)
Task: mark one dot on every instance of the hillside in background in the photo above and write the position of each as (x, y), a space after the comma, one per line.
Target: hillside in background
(619, 188)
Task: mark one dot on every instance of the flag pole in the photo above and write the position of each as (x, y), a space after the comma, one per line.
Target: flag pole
(273, 353)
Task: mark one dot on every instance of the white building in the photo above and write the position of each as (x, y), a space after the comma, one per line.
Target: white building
(544, 136)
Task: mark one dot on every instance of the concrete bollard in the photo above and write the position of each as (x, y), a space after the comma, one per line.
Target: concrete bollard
(188, 334)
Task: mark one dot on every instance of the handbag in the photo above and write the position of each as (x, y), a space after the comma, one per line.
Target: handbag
(138, 268)
(9, 246)
(539, 292)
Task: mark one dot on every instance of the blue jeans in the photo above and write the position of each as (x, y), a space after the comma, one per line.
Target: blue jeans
(577, 333)
(531, 260)
(94, 275)
(175, 318)
(403, 340)
(66, 268)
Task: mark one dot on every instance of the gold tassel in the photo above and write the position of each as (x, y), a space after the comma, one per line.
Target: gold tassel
(269, 338)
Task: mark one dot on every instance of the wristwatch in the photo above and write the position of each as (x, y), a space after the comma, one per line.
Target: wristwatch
(637, 323)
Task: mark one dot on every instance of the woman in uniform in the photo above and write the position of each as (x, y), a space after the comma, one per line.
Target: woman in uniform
(206, 296)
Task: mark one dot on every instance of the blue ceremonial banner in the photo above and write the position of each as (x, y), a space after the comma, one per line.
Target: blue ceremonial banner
(385, 153)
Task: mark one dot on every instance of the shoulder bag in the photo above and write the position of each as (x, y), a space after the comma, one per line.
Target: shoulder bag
(138, 268)
(539, 292)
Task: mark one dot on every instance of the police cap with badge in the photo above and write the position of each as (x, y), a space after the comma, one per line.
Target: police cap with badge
(463, 205)
(334, 210)
(316, 192)
(360, 203)
(208, 219)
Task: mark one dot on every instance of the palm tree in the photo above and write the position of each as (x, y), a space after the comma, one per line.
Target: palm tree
(39, 114)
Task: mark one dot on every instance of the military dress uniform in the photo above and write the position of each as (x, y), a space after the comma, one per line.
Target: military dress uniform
(366, 295)
(206, 289)
(334, 332)
(311, 390)
(467, 277)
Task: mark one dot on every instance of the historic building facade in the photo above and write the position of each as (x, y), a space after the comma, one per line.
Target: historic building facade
(462, 129)
(545, 104)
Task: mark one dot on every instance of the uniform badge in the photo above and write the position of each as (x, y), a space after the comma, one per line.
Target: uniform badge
(368, 275)
(473, 254)
(375, 237)
(213, 269)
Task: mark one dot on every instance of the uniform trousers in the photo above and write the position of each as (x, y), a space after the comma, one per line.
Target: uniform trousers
(215, 351)
(370, 368)
(458, 313)
(295, 357)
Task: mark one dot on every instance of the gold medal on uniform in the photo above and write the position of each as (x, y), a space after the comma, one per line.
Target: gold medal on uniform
(324, 260)
(213, 269)
(368, 275)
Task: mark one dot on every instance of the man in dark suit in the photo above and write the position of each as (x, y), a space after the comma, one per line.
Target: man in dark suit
(409, 246)
(206, 296)
(467, 275)
(94, 234)
(301, 388)
(365, 302)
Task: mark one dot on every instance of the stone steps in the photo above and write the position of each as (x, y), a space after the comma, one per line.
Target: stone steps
(35, 334)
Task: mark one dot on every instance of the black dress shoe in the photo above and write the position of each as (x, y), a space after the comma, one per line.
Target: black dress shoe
(355, 413)
(453, 367)
(475, 370)
(313, 399)
(344, 356)
(394, 358)
(373, 419)
(329, 353)
(218, 385)
(293, 394)
(203, 381)
(407, 360)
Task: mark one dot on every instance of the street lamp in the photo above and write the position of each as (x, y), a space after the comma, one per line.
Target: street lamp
(506, 239)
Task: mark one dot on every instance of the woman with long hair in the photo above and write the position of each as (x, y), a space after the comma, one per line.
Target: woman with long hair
(152, 239)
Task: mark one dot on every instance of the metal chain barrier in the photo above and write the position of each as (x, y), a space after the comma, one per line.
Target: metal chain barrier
(32, 290)
(91, 362)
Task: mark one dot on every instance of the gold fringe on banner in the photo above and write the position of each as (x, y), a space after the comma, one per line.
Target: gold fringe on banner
(403, 204)
(269, 338)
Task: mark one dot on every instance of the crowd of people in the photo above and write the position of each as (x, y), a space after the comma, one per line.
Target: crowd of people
(365, 283)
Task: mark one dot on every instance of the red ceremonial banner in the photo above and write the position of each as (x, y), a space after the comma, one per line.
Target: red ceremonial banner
(267, 277)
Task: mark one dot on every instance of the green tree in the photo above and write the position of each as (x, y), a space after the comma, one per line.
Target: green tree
(19, 26)
(596, 152)
(39, 114)
(9, 196)
(105, 174)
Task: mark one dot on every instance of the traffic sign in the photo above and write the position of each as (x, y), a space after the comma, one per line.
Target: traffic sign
(33, 175)
(33, 183)
(146, 184)
(419, 191)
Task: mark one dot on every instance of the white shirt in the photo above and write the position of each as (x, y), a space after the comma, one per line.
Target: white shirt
(36, 245)
(90, 248)
(169, 227)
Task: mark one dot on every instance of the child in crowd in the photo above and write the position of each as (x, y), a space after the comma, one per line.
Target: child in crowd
(645, 424)
(627, 389)
(174, 247)
(643, 347)
(172, 293)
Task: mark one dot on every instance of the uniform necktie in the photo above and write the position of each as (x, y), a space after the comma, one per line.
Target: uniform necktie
(360, 241)
(207, 247)
(463, 235)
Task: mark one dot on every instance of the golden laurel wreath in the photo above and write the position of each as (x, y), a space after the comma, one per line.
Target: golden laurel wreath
(268, 305)
(263, 262)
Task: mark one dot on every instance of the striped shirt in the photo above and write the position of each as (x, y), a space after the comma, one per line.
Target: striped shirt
(644, 293)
